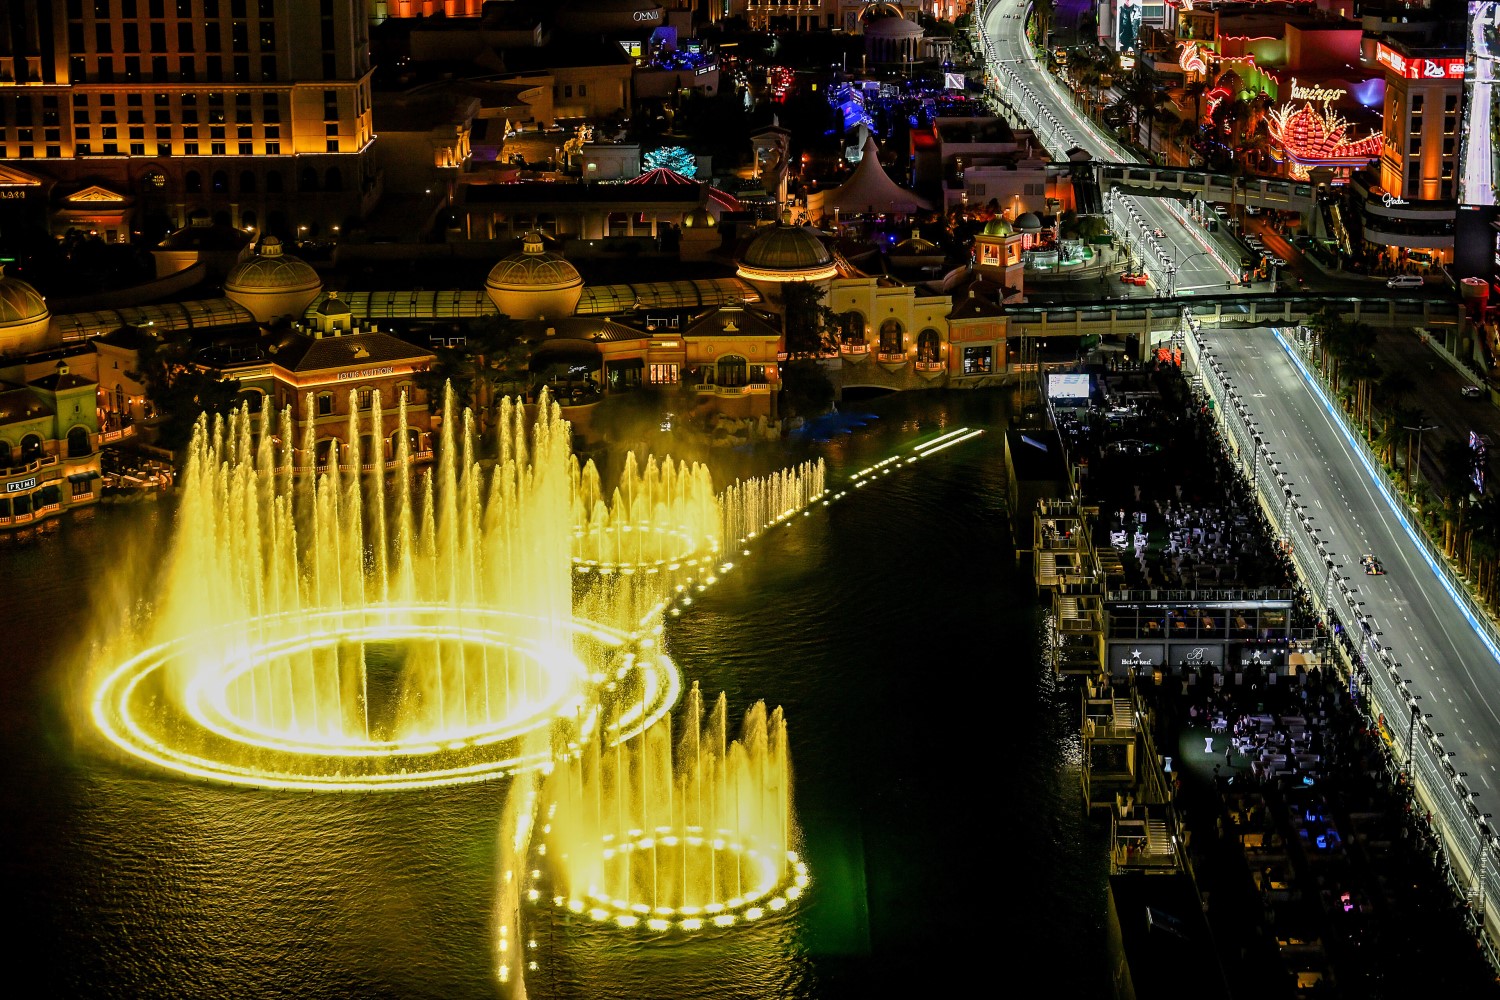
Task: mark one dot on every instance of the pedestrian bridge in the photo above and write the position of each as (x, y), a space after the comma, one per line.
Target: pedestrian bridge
(1177, 182)
(1141, 318)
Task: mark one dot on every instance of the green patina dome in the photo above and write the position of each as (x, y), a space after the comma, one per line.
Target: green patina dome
(998, 227)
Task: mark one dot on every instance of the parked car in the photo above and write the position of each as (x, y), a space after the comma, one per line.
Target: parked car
(1404, 281)
(1471, 391)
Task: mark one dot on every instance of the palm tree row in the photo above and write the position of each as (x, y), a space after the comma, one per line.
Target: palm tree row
(1465, 525)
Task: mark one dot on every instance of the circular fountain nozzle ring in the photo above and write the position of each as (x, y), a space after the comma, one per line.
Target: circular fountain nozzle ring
(292, 700)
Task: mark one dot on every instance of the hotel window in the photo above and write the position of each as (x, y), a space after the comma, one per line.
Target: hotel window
(1449, 123)
(664, 374)
(325, 403)
(1450, 103)
(366, 398)
(1416, 104)
(333, 145)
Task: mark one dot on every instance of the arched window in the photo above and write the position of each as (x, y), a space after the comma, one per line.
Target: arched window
(78, 442)
(252, 398)
(248, 218)
(273, 182)
(154, 179)
(929, 343)
(4, 454)
(852, 327)
(192, 182)
(730, 370)
(322, 451)
(333, 179)
(247, 182)
(220, 182)
(890, 337)
(307, 180)
(31, 448)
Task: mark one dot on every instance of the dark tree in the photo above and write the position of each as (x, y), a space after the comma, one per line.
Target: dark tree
(810, 331)
(180, 388)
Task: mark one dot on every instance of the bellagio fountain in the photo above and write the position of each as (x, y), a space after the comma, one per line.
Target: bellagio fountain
(375, 624)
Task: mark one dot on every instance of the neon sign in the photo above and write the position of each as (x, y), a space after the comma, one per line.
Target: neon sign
(1418, 68)
(1322, 95)
(1191, 59)
(1315, 138)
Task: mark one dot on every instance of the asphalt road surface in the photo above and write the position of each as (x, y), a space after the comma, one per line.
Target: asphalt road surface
(1450, 667)
(1028, 87)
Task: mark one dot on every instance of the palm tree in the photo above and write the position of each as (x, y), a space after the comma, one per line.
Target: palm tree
(1144, 93)
(1455, 462)
(1196, 89)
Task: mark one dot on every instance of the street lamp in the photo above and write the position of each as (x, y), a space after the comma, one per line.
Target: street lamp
(1171, 274)
(1417, 478)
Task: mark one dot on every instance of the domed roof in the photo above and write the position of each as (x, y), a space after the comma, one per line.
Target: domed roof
(534, 267)
(272, 270)
(1028, 222)
(19, 302)
(334, 306)
(786, 248)
(998, 227)
(894, 27)
(699, 218)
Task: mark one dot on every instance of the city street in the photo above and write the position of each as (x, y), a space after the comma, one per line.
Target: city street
(1445, 660)
(1041, 100)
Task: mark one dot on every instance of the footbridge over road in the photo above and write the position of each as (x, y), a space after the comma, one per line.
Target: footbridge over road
(1177, 182)
(1150, 322)
(1157, 319)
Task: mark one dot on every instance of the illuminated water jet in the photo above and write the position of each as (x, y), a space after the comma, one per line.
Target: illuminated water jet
(374, 624)
(640, 837)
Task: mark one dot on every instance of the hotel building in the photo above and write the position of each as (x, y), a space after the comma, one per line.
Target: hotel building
(257, 110)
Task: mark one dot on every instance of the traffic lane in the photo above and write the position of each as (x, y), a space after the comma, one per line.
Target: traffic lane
(1006, 45)
(1436, 394)
(1353, 516)
(1450, 667)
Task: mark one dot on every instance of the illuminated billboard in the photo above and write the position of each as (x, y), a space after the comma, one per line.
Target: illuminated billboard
(1129, 27)
(1068, 386)
(1476, 179)
(1417, 68)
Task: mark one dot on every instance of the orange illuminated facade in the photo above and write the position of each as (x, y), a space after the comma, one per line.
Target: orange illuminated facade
(256, 110)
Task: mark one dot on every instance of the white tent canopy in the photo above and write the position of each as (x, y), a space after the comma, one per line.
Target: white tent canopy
(871, 189)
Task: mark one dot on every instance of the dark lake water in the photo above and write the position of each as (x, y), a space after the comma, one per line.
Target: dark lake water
(936, 786)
